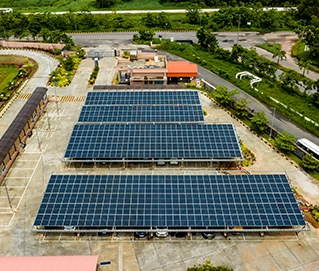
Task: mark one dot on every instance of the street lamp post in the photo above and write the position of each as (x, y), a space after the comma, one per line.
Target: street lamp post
(38, 139)
(238, 27)
(49, 125)
(8, 196)
(56, 97)
(272, 121)
(165, 29)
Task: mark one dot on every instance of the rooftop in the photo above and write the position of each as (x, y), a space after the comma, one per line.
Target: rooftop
(48, 263)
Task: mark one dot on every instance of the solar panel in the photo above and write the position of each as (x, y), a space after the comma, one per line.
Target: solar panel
(136, 201)
(144, 97)
(147, 113)
(153, 141)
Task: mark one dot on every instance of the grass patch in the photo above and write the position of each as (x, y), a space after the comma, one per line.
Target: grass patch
(313, 173)
(84, 5)
(272, 48)
(8, 73)
(6, 76)
(298, 51)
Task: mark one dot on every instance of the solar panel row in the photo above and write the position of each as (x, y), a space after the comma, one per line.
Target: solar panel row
(173, 201)
(147, 113)
(156, 141)
(144, 97)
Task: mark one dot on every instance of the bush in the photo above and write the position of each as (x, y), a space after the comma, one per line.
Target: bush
(93, 75)
(315, 212)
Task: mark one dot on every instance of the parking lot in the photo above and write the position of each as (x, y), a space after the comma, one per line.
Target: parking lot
(28, 178)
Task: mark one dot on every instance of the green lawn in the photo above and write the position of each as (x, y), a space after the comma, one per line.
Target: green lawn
(301, 53)
(81, 5)
(6, 76)
(272, 48)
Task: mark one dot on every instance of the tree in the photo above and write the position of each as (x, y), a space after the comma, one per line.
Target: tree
(280, 54)
(259, 121)
(284, 141)
(241, 107)
(304, 65)
(308, 8)
(150, 19)
(146, 34)
(310, 35)
(309, 162)
(207, 40)
(192, 14)
(69, 63)
(104, 3)
(45, 34)
(290, 78)
(163, 20)
(237, 52)
(223, 95)
(207, 266)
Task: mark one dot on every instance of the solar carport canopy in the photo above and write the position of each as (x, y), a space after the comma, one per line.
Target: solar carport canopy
(144, 113)
(145, 142)
(124, 202)
(143, 97)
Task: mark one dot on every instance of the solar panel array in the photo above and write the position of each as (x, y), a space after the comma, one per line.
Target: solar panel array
(153, 141)
(143, 97)
(170, 200)
(147, 113)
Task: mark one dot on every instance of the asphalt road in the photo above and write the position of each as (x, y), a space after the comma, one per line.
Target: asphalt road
(226, 41)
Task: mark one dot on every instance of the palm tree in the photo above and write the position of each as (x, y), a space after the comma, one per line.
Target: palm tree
(304, 65)
(280, 54)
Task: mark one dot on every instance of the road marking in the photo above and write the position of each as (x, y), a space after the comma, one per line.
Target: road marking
(120, 257)
(26, 187)
(73, 98)
(24, 95)
(17, 177)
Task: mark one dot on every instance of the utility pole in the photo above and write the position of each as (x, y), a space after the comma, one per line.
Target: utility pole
(56, 97)
(38, 139)
(49, 125)
(7, 192)
(238, 27)
(272, 121)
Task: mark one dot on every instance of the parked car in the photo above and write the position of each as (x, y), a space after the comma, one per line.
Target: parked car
(141, 234)
(104, 232)
(161, 232)
(208, 235)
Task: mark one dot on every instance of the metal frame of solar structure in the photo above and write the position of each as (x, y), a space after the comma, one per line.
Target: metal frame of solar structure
(153, 143)
(143, 97)
(189, 203)
(142, 114)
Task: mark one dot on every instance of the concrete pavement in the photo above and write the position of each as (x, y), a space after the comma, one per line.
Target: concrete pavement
(28, 178)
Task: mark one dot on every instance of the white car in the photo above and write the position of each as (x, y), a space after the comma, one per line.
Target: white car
(161, 232)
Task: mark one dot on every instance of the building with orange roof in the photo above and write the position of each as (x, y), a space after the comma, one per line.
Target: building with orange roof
(148, 68)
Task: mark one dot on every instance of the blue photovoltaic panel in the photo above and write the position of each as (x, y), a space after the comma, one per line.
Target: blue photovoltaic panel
(145, 113)
(148, 141)
(170, 200)
(144, 97)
